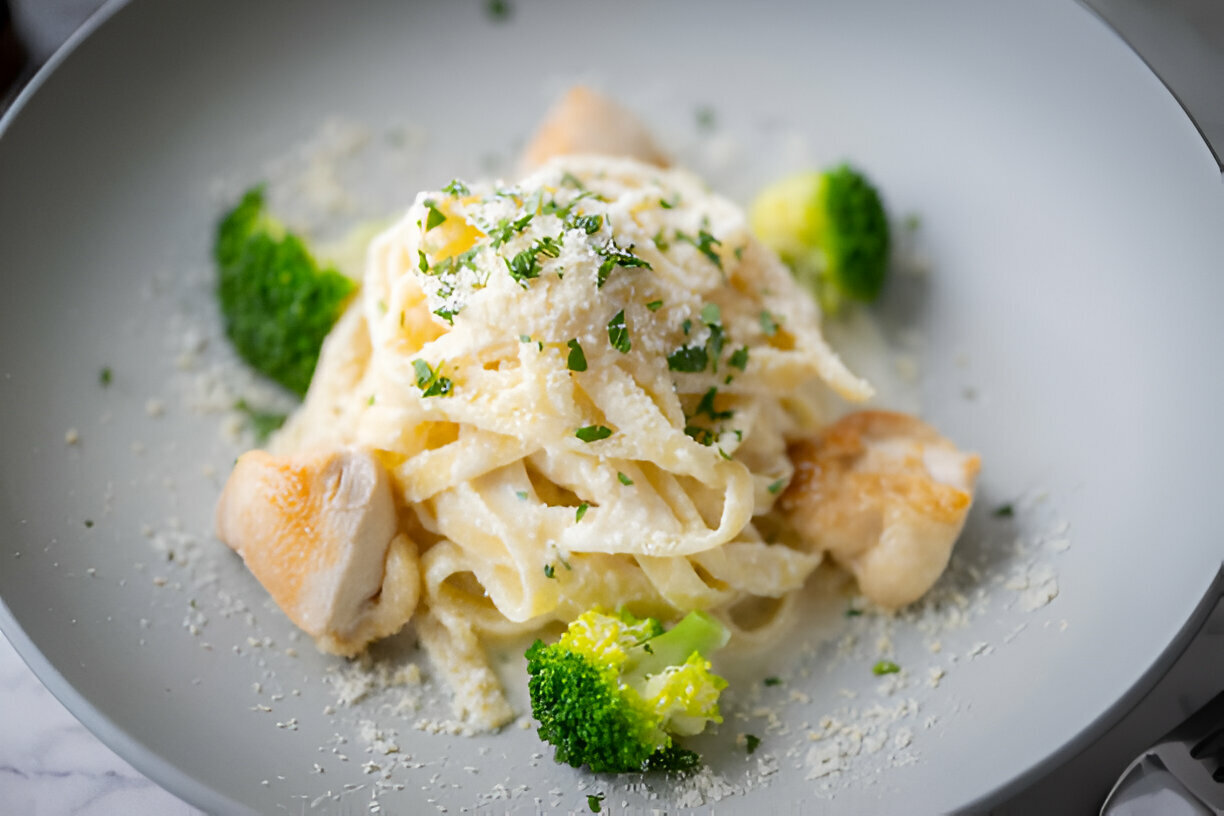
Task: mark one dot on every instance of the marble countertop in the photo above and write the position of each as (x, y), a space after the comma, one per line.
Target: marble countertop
(51, 764)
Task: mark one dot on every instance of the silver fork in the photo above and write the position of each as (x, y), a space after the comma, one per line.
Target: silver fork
(1183, 773)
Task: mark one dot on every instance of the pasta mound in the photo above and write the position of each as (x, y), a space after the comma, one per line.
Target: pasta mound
(583, 387)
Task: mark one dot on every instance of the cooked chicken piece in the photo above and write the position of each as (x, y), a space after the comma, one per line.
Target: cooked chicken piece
(319, 532)
(886, 496)
(584, 121)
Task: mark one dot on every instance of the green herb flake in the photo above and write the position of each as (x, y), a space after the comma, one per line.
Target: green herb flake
(262, 423)
(853, 612)
(769, 324)
(499, 11)
(523, 266)
(654, 305)
(625, 480)
(883, 667)
(706, 406)
(590, 224)
(88, 523)
(435, 217)
(778, 485)
(522, 495)
(739, 358)
(524, 338)
(105, 376)
(613, 257)
(688, 359)
(431, 382)
(711, 314)
(618, 333)
(593, 433)
(550, 571)
(594, 800)
(1004, 511)
(505, 229)
(581, 511)
(568, 179)
(456, 188)
(706, 118)
(705, 243)
(577, 359)
(751, 741)
(700, 435)
(772, 681)
(370, 401)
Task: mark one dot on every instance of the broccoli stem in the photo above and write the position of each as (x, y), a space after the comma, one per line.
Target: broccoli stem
(696, 632)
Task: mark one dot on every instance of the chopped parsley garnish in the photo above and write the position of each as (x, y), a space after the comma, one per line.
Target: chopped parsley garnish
(883, 667)
(593, 801)
(577, 359)
(505, 229)
(751, 741)
(706, 118)
(739, 358)
(456, 188)
(522, 494)
(1004, 511)
(581, 511)
(711, 315)
(424, 262)
(431, 382)
(618, 333)
(853, 612)
(668, 203)
(654, 305)
(706, 406)
(570, 180)
(499, 10)
(548, 246)
(590, 224)
(593, 433)
(435, 217)
(523, 266)
(625, 480)
(88, 523)
(370, 401)
(105, 376)
(262, 423)
(613, 256)
(702, 436)
(687, 326)
(549, 571)
(688, 359)
(772, 681)
(778, 485)
(769, 324)
(705, 243)
(524, 338)
(660, 241)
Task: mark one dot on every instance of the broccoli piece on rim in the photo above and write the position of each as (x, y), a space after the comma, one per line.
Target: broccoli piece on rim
(831, 229)
(614, 690)
(277, 303)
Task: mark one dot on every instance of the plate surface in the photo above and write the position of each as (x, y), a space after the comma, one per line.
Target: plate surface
(1069, 211)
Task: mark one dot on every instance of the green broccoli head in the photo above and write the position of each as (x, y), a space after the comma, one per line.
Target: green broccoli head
(614, 689)
(831, 229)
(277, 303)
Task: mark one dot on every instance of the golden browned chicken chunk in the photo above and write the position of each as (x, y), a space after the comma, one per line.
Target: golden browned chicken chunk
(319, 531)
(584, 121)
(886, 496)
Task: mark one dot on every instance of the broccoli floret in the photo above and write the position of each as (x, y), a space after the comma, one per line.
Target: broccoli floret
(278, 304)
(831, 229)
(612, 692)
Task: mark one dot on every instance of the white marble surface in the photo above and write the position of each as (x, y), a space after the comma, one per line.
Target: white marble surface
(50, 765)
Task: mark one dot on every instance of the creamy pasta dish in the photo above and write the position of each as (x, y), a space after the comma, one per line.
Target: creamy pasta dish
(591, 387)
